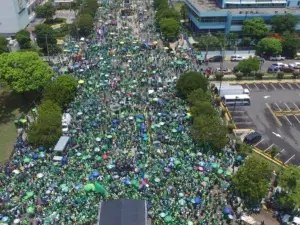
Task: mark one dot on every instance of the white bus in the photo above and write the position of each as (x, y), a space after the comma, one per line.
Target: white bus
(230, 100)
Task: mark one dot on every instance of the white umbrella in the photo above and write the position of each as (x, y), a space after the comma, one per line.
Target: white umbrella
(16, 171)
(155, 99)
(130, 117)
(39, 175)
(16, 221)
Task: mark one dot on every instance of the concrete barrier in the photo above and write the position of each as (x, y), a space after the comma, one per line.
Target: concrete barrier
(284, 81)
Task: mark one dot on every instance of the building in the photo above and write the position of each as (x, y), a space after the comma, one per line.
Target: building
(123, 212)
(228, 15)
(15, 15)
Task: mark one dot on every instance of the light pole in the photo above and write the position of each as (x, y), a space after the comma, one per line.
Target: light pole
(221, 68)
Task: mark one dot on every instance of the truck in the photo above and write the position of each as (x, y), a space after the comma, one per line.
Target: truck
(232, 90)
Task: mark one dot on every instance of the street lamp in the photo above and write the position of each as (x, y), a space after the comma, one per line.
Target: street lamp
(221, 67)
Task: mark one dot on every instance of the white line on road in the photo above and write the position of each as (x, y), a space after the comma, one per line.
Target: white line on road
(247, 123)
(287, 107)
(265, 87)
(289, 159)
(297, 85)
(273, 86)
(296, 106)
(259, 142)
(297, 119)
(282, 150)
(288, 120)
(240, 117)
(290, 86)
(281, 86)
(277, 106)
(248, 87)
(278, 153)
(269, 147)
(256, 87)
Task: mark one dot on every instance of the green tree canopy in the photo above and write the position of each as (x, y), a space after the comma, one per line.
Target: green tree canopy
(47, 130)
(206, 41)
(23, 37)
(89, 7)
(282, 23)
(290, 45)
(169, 28)
(249, 65)
(183, 11)
(199, 95)
(203, 108)
(252, 179)
(61, 91)
(255, 27)
(46, 38)
(160, 4)
(3, 44)
(46, 10)
(269, 46)
(167, 13)
(289, 180)
(191, 81)
(24, 71)
(208, 129)
(85, 24)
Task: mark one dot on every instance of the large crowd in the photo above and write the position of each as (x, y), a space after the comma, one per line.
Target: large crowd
(130, 138)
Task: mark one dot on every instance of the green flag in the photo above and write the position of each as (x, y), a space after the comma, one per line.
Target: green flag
(99, 188)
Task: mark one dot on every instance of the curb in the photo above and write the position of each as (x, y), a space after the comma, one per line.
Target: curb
(276, 161)
(264, 81)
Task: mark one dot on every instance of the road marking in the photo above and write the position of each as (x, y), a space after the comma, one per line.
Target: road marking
(281, 86)
(289, 159)
(273, 86)
(248, 87)
(247, 123)
(279, 153)
(287, 107)
(259, 142)
(277, 106)
(278, 135)
(290, 86)
(288, 120)
(297, 119)
(267, 96)
(265, 87)
(269, 147)
(297, 85)
(296, 105)
(256, 87)
(239, 111)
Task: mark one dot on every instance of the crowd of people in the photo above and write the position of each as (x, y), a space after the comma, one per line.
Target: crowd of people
(130, 138)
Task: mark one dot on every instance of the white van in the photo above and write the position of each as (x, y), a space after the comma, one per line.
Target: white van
(65, 122)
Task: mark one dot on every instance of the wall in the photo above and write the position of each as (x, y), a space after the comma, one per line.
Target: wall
(12, 17)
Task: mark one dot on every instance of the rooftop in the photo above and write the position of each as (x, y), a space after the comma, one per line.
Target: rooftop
(210, 5)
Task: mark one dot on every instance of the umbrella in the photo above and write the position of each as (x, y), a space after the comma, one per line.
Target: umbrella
(181, 202)
(29, 195)
(89, 187)
(168, 219)
(99, 188)
(16, 171)
(220, 171)
(162, 215)
(227, 173)
(197, 200)
(214, 165)
(26, 160)
(30, 210)
(227, 210)
(81, 82)
(95, 173)
(206, 179)
(39, 175)
(16, 221)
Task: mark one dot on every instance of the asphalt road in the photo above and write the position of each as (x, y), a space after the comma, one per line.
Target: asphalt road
(230, 65)
(280, 97)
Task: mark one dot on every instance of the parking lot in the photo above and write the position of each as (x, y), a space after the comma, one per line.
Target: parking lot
(257, 116)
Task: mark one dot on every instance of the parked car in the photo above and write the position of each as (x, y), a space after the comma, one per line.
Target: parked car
(252, 138)
(279, 64)
(287, 69)
(277, 58)
(216, 58)
(224, 70)
(65, 122)
(237, 58)
(273, 69)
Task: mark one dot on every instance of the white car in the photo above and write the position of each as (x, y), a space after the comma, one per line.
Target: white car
(65, 122)
(277, 58)
(224, 70)
(237, 58)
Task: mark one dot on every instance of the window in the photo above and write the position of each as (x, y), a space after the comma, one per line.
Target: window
(237, 22)
(213, 19)
(298, 3)
(288, 4)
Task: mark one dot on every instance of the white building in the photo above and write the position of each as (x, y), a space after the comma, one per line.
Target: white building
(15, 15)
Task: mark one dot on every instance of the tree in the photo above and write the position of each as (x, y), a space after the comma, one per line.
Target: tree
(61, 91)
(23, 37)
(202, 108)
(167, 13)
(191, 81)
(199, 95)
(252, 179)
(208, 129)
(24, 71)
(289, 180)
(246, 66)
(207, 40)
(89, 7)
(255, 27)
(282, 23)
(269, 46)
(169, 28)
(3, 44)
(45, 37)
(290, 45)
(85, 24)
(48, 127)
(46, 11)
(243, 149)
(183, 11)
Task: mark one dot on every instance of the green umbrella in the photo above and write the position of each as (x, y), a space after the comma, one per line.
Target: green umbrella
(64, 188)
(227, 173)
(206, 179)
(29, 195)
(220, 171)
(174, 130)
(168, 219)
(30, 210)
(135, 183)
(26, 160)
(214, 165)
(89, 187)
(100, 188)
(181, 202)
(162, 215)
(157, 180)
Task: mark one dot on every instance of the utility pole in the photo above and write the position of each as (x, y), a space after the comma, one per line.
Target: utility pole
(221, 67)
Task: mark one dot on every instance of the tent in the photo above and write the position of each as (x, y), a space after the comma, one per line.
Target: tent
(123, 211)
(61, 144)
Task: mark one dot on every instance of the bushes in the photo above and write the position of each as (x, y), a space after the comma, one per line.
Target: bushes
(48, 128)
(219, 76)
(259, 75)
(61, 91)
(280, 75)
(296, 74)
(239, 75)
